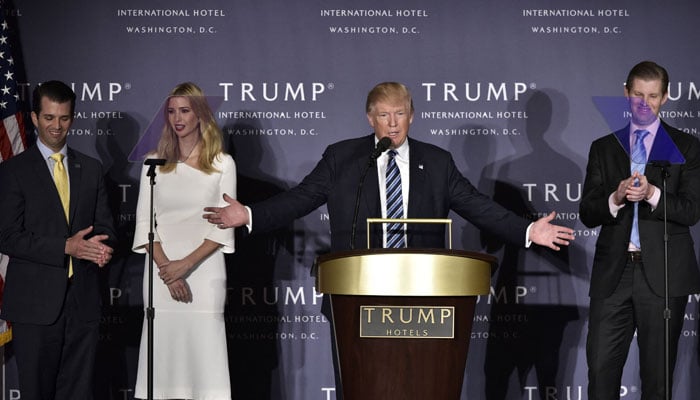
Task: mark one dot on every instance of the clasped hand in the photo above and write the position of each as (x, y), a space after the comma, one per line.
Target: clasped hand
(635, 188)
(180, 291)
(171, 271)
(91, 249)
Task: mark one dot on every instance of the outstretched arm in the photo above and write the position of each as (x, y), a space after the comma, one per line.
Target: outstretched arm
(231, 216)
(544, 233)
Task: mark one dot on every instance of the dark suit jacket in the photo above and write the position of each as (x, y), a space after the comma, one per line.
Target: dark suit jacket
(608, 164)
(436, 187)
(33, 232)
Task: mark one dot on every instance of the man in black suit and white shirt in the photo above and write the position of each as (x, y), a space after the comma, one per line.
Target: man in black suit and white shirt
(55, 247)
(431, 187)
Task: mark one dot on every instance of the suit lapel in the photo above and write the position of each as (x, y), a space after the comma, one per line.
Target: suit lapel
(370, 192)
(370, 187)
(75, 173)
(44, 178)
(416, 178)
(620, 155)
(664, 149)
(417, 166)
(369, 201)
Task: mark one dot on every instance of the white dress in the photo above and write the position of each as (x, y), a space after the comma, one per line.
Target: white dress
(190, 356)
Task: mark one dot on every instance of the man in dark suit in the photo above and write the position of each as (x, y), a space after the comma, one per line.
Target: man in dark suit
(55, 247)
(430, 188)
(627, 280)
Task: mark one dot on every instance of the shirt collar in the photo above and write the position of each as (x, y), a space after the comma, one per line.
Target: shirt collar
(46, 152)
(652, 128)
(402, 151)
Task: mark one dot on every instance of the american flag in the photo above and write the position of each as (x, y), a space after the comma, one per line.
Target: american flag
(13, 138)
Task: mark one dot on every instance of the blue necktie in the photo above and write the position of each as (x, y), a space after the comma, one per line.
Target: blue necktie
(639, 160)
(394, 204)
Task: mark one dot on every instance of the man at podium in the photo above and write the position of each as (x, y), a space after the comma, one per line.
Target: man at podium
(407, 179)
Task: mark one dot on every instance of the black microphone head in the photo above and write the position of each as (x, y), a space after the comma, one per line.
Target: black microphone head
(154, 161)
(383, 144)
(660, 163)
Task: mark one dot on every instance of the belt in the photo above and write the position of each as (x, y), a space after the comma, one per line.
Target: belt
(634, 256)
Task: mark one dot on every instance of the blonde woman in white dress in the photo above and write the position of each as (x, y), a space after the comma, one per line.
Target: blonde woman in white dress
(189, 286)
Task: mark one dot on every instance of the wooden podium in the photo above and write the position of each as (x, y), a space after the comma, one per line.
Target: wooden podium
(402, 319)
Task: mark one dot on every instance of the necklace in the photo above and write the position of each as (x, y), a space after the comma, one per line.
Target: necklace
(190, 153)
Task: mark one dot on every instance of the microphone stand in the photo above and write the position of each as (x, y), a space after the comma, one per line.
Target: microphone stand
(150, 312)
(667, 310)
(381, 147)
(370, 163)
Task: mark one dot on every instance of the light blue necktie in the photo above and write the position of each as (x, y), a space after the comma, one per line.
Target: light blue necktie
(639, 161)
(394, 204)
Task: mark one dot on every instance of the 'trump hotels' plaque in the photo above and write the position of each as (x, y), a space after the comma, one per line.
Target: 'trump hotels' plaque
(407, 322)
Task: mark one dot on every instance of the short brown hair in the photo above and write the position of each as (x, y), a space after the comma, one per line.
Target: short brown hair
(648, 71)
(55, 91)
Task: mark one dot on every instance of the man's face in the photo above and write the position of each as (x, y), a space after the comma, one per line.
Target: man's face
(391, 120)
(53, 123)
(645, 99)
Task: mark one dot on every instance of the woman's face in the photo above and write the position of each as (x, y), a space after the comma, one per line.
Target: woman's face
(181, 117)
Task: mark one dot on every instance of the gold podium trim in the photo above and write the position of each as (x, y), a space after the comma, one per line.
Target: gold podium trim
(405, 272)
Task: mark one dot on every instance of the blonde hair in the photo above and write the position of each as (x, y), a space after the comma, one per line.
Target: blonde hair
(210, 133)
(392, 92)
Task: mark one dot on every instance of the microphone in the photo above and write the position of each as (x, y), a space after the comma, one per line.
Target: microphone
(154, 161)
(659, 163)
(382, 145)
(664, 165)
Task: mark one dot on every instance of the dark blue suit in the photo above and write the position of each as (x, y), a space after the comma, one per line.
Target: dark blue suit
(436, 187)
(33, 232)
